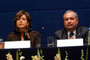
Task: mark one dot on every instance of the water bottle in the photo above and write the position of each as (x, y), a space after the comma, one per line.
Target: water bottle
(1, 43)
(50, 41)
(1, 40)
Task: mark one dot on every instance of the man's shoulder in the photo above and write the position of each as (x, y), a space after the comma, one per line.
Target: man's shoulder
(59, 31)
(83, 28)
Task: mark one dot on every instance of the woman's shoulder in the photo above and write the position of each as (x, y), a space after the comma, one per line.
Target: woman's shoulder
(11, 34)
(35, 32)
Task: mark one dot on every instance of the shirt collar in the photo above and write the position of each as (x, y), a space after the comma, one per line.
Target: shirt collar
(73, 32)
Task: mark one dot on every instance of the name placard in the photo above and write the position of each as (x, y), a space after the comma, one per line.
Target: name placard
(17, 44)
(69, 42)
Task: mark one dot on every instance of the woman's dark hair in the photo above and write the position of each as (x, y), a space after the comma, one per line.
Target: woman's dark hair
(18, 15)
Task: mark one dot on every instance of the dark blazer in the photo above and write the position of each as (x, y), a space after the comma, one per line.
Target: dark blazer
(34, 38)
(81, 32)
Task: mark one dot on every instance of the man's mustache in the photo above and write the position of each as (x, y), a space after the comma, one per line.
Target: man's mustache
(69, 25)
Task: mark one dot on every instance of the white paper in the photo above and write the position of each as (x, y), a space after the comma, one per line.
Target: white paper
(69, 42)
(17, 44)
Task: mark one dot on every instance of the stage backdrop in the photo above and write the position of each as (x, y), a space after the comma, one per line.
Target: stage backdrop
(47, 15)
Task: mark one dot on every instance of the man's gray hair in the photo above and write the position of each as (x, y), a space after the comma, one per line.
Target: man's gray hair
(68, 11)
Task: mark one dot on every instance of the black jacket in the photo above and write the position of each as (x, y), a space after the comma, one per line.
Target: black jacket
(81, 32)
(34, 38)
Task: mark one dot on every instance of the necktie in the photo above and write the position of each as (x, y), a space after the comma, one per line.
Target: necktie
(71, 34)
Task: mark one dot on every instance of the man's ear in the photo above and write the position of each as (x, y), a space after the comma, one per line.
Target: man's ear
(77, 21)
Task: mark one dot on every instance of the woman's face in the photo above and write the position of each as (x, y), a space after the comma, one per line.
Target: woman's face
(22, 23)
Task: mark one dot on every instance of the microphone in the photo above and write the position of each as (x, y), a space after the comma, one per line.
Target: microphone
(89, 36)
(89, 32)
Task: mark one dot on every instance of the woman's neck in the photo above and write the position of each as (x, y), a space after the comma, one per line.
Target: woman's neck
(22, 36)
(23, 30)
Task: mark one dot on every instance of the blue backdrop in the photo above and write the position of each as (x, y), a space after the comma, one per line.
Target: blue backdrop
(47, 15)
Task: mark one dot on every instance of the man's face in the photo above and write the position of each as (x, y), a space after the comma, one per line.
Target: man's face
(70, 21)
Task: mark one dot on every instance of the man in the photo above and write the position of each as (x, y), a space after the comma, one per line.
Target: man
(72, 30)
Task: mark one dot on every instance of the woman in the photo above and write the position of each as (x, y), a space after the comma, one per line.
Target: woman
(23, 29)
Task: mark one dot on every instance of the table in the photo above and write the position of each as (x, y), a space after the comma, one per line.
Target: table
(71, 53)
